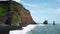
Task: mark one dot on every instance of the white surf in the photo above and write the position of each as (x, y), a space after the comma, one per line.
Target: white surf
(25, 29)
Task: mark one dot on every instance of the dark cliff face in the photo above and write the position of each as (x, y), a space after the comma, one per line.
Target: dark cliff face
(4, 10)
(14, 14)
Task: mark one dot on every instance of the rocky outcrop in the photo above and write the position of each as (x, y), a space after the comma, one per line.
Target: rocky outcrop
(14, 14)
(45, 22)
(5, 29)
(53, 22)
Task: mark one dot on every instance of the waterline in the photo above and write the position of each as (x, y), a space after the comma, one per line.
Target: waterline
(25, 29)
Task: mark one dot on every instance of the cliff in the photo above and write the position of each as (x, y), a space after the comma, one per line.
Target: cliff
(13, 13)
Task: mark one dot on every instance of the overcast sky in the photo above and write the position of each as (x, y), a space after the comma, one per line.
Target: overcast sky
(43, 10)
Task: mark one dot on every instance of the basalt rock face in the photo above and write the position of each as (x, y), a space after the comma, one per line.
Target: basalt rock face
(13, 13)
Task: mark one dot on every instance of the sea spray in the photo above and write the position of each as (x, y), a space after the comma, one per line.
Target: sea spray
(25, 29)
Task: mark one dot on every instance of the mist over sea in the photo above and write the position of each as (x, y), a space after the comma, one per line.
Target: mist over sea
(39, 29)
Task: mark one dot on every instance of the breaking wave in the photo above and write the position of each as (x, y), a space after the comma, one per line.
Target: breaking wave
(25, 29)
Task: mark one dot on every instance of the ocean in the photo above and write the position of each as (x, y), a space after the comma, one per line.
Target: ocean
(39, 29)
(47, 29)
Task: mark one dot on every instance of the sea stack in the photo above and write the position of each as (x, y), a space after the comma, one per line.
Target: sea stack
(45, 22)
(53, 22)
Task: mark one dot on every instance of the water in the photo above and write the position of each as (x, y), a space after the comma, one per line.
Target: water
(38, 29)
(47, 29)
(25, 29)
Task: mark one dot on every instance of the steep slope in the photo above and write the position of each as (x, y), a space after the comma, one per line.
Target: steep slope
(25, 17)
(15, 14)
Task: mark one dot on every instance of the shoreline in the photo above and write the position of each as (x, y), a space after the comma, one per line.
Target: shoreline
(25, 29)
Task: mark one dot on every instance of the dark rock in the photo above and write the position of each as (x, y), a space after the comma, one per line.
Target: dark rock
(53, 22)
(45, 22)
(4, 29)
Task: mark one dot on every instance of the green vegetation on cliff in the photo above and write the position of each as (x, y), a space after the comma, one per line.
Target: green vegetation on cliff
(2, 11)
(14, 13)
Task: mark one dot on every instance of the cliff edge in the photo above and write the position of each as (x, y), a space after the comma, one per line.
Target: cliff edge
(14, 14)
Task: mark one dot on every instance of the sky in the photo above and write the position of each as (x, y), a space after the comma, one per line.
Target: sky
(42, 10)
(3, 0)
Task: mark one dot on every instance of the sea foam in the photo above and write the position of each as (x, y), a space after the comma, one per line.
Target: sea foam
(25, 29)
